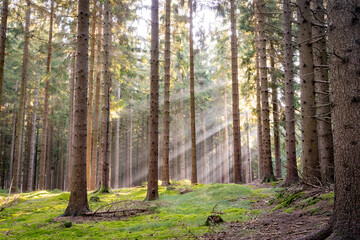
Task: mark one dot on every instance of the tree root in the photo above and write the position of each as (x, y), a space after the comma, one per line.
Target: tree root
(322, 234)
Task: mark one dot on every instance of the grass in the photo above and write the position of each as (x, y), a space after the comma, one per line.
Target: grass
(173, 215)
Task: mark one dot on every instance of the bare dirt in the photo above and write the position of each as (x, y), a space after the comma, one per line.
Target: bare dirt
(277, 224)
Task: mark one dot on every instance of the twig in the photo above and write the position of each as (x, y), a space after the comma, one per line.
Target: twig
(192, 234)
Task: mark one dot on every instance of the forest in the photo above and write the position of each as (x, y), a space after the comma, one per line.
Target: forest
(180, 119)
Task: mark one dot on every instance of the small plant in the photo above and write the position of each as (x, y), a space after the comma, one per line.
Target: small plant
(67, 224)
(94, 199)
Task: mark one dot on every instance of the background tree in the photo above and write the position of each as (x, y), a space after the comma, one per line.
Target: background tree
(4, 16)
(152, 188)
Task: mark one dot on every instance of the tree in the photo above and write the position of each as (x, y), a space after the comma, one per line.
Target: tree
(258, 93)
(192, 100)
(235, 98)
(22, 100)
(91, 98)
(275, 102)
(95, 134)
(105, 109)
(78, 203)
(310, 157)
(166, 124)
(266, 142)
(46, 103)
(344, 32)
(152, 188)
(4, 16)
(291, 167)
(323, 106)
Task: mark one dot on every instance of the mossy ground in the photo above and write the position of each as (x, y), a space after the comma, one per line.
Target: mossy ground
(32, 215)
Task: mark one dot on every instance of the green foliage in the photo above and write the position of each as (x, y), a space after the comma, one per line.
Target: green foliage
(32, 215)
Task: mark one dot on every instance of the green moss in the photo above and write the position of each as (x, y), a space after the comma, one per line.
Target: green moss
(171, 216)
(284, 199)
(289, 210)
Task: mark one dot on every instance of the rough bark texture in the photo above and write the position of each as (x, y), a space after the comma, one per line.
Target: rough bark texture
(323, 110)
(248, 162)
(3, 27)
(310, 158)
(235, 97)
(90, 99)
(344, 44)
(46, 103)
(22, 100)
(275, 102)
(166, 123)
(95, 136)
(258, 94)
(105, 108)
(49, 160)
(291, 167)
(152, 190)
(192, 100)
(268, 174)
(27, 146)
(78, 203)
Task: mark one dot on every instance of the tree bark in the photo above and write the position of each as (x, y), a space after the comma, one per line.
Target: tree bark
(152, 190)
(323, 110)
(49, 154)
(46, 103)
(105, 109)
(310, 158)
(67, 175)
(3, 27)
(344, 35)
(117, 145)
(291, 166)
(235, 99)
(275, 102)
(22, 100)
(95, 136)
(78, 203)
(226, 140)
(258, 95)
(248, 160)
(91, 98)
(192, 100)
(266, 142)
(166, 122)
(182, 134)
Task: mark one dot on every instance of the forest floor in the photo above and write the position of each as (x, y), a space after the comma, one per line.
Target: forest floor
(254, 211)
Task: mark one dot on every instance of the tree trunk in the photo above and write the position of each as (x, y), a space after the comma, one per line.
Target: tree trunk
(46, 103)
(266, 142)
(49, 154)
(182, 134)
(226, 140)
(166, 122)
(291, 166)
(235, 93)
(275, 102)
(248, 160)
(22, 100)
(130, 143)
(67, 175)
(27, 145)
(78, 203)
(90, 100)
(258, 95)
(105, 109)
(152, 190)
(192, 100)
(310, 158)
(117, 145)
(33, 139)
(344, 35)
(95, 136)
(4, 16)
(323, 110)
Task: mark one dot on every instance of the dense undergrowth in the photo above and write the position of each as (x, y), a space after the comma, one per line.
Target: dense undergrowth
(174, 215)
